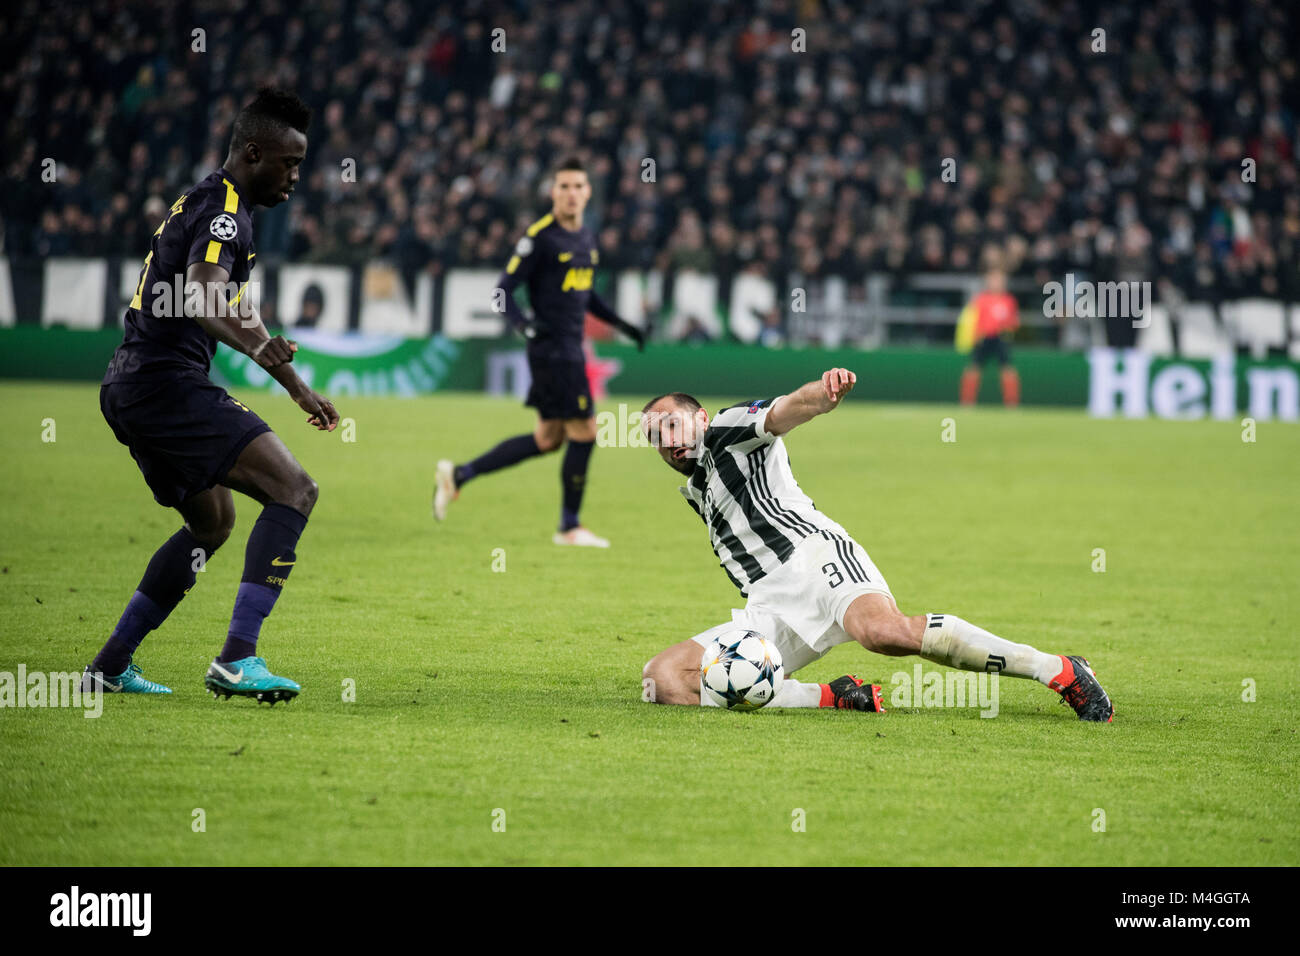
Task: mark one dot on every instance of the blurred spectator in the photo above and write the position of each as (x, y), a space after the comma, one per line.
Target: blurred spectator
(771, 335)
(313, 300)
(712, 144)
(695, 332)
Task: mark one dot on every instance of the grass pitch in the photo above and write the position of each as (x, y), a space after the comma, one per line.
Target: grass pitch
(512, 697)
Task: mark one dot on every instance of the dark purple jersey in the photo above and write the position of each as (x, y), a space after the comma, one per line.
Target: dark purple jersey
(210, 223)
(557, 266)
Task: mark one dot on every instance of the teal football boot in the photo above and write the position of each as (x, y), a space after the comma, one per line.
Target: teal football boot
(130, 681)
(248, 678)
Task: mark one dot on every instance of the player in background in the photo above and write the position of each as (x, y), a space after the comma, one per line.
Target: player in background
(556, 259)
(809, 585)
(192, 441)
(996, 317)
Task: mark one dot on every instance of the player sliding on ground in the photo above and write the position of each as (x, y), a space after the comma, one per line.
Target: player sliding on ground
(556, 259)
(192, 441)
(809, 585)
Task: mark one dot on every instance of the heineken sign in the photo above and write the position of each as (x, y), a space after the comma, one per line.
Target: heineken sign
(1135, 384)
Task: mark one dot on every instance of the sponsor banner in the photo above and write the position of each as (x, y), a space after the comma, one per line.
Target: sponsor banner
(892, 374)
(1106, 382)
(340, 365)
(30, 352)
(337, 364)
(1134, 384)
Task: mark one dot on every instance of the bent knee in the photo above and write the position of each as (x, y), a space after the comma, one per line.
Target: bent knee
(655, 671)
(214, 535)
(886, 634)
(549, 435)
(301, 493)
(661, 683)
(584, 431)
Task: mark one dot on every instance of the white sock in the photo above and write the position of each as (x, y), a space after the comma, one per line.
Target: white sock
(705, 699)
(792, 694)
(796, 694)
(950, 640)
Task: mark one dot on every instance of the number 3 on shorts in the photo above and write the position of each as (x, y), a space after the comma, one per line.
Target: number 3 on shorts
(833, 573)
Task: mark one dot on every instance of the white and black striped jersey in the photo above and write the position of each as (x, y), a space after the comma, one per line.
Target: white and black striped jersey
(744, 490)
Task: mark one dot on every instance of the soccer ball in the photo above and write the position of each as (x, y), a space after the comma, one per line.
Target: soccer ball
(741, 670)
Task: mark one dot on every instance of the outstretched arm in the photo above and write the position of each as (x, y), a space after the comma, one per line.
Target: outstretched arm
(239, 325)
(809, 401)
(601, 310)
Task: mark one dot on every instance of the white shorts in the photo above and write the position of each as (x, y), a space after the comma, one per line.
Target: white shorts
(800, 606)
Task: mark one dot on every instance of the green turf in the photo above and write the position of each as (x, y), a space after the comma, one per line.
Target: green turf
(520, 691)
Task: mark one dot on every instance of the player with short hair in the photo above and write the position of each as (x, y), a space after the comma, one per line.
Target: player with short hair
(809, 585)
(556, 259)
(193, 442)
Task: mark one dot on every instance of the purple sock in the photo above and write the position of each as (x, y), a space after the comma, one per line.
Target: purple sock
(140, 617)
(268, 559)
(253, 602)
(573, 475)
(170, 574)
(509, 452)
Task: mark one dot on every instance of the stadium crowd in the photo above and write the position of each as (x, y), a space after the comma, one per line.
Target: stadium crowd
(718, 135)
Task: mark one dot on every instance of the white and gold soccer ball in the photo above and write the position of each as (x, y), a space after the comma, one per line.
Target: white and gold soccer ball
(741, 670)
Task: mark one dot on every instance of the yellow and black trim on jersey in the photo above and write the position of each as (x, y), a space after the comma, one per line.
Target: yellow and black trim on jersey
(232, 197)
(525, 245)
